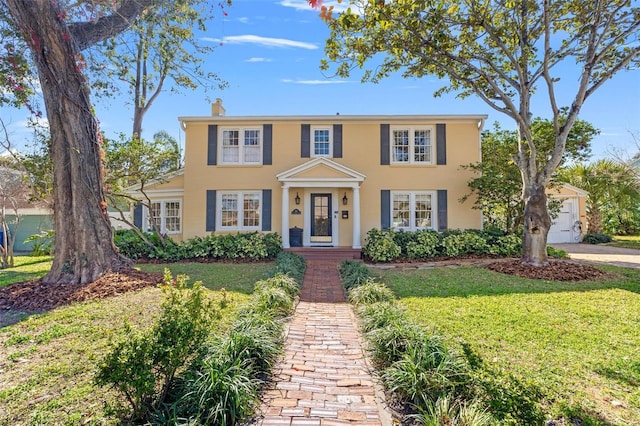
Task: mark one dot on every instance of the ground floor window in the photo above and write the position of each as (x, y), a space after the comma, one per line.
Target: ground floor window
(413, 210)
(239, 210)
(165, 216)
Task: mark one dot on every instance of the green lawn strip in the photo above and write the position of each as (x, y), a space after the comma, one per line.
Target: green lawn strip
(236, 277)
(626, 241)
(578, 341)
(48, 361)
(26, 268)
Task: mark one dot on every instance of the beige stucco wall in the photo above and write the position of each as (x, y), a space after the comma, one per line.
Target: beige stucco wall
(361, 152)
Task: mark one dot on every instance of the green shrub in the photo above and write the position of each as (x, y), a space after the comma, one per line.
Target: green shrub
(446, 410)
(507, 245)
(425, 245)
(291, 264)
(426, 371)
(41, 243)
(556, 253)
(380, 315)
(282, 281)
(464, 243)
(353, 273)
(370, 292)
(273, 243)
(380, 246)
(403, 238)
(223, 392)
(388, 344)
(144, 364)
(594, 238)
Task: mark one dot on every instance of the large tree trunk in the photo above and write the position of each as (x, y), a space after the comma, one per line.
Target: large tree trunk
(536, 226)
(84, 248)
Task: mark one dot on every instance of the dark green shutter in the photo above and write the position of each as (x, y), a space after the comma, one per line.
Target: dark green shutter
(305, 140)
(384, 144)
(266, 210)
(441, 144)
(211, 210)
(385, 209)
(137, 215)
(267, 144)
(212, 145)
(337, 141)
(442, 210)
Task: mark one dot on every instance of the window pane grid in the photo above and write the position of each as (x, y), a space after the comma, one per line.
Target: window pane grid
(412, 210)
(321, 142)
(240, 210)
(411, 145)
(422, 146)
(422, 211)
(251, 210)
(401, 146)
(172, 216)
(229, 214)
(155, 216)
(241, 146)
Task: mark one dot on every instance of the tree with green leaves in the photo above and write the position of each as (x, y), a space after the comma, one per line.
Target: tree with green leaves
(161, 45)
(613, 203)
(56, 34)
(507, 52)
(138, 163)
(497, 190)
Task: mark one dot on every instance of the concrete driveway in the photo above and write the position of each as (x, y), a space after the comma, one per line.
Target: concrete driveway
(598, 253)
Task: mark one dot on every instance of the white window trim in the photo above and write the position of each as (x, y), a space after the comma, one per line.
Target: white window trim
(241, 146)
(163, 230)
(241, 195)
(412, 210)
(412, 129)
(313, 141)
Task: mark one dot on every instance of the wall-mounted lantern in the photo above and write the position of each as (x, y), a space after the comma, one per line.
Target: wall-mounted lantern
(297, 198)
(345, 200)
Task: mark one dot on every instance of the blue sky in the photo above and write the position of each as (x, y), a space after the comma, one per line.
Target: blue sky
(269, 52)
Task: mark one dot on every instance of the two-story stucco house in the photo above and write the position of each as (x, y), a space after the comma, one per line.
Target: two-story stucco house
(319, 180)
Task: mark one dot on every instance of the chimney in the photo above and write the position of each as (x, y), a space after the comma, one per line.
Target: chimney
(217, 109)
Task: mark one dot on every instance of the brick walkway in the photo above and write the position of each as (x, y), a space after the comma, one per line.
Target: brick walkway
(324, 378)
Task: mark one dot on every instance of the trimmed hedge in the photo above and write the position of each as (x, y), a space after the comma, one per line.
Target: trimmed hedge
(248, 245)
(390, 245)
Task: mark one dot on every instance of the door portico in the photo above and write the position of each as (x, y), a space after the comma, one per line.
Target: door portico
(315, 178)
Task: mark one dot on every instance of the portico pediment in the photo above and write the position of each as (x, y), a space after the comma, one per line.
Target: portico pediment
(321, 170)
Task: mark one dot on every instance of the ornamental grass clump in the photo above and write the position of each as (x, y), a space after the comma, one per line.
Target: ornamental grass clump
(370, 292)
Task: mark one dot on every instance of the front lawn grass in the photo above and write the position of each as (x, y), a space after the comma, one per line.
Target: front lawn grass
(578, 342)
(48, 361)
(25, 268)
(626, 241)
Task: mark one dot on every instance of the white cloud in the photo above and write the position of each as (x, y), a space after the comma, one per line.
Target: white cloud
(314, 82)
(262, 41)
(258, 60)
(29, 123)
(243, 20)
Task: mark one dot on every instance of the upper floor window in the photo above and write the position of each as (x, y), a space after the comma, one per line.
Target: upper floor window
(411, 145)
(165, 216)
(322, 143)
(240, 210)
(241, 146)
(412, 211)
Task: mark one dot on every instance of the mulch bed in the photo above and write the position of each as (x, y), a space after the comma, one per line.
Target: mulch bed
(34, 296)
(557, 270)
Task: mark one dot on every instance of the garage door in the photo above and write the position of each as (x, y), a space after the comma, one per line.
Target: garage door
(562, 229)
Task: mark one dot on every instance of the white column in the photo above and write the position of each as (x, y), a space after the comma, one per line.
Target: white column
(284, 233)
(356, 218)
